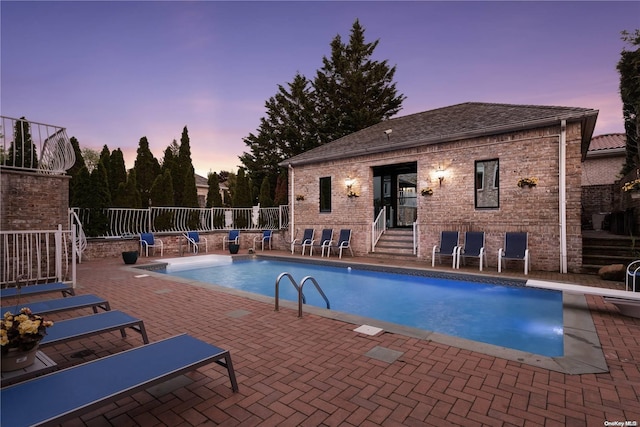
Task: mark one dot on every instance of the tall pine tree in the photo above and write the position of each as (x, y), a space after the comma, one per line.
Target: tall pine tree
(629, 69)
(22, 151)
(147, 170)
(117, 171)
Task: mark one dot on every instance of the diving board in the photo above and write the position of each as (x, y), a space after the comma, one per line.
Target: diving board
(581, 289)
(94, 324)
(71, 392)
(28, 290)
(61, 304)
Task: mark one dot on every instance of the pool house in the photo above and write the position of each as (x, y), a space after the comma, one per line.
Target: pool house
(487, 167)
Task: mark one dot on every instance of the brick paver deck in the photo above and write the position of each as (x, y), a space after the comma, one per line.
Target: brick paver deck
(316, 371)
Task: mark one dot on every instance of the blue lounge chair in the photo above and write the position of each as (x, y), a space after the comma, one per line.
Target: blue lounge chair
(74, 391)
(265, 238)
(29, 290)
(233, 237)
(473, 248)
(147, 240)
(633, 271)
(86, 326)
(448, 247)
(307, 238)
(325, 240)
(61, 304)
(515, 248)
(194, 241)
(344, 242)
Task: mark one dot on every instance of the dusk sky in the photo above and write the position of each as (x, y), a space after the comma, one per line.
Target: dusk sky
(113, 72)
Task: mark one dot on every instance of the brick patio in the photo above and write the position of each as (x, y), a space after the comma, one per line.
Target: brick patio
(316, 371)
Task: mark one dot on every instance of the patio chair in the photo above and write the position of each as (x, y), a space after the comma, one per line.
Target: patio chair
(107, 379)
(147, 241)
(448, 247)
(325, 240)
(37, 290)
(194, 240)
(473, 248)
(93, 324)
(515, 248)
(264, 238)
(344, 242)
(233, 237)
(61, 304)
(307, 238)
(633, 271)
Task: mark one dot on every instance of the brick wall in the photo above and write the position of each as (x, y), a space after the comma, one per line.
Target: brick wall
(32, 201)
(451, 207)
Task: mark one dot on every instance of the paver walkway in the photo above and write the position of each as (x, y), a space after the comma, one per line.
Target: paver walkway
(316, 371)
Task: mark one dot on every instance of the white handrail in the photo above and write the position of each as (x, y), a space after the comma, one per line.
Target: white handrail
(378, 227)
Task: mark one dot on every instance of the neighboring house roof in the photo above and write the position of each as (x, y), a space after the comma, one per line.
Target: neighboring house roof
(201, 181)
(605, 159)
(461, 121)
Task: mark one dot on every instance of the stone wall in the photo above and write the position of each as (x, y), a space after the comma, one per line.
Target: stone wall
(33, 201)
(532, 153)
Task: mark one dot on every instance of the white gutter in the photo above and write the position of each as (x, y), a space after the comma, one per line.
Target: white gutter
(292, 204)
(562, 166)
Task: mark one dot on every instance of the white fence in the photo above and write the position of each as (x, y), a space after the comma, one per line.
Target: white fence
(120, 222)
(38, 256)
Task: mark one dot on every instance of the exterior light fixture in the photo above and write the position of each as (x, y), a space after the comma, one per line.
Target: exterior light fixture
(440, 175)
(349, 183)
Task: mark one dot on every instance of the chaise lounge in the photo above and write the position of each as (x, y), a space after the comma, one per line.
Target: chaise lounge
(61, 304)
(29, 290)
(106, 380)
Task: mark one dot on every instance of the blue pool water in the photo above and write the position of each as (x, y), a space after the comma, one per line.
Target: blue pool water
(510, 316)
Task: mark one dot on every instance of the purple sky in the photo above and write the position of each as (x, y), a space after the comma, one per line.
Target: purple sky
(113, 72)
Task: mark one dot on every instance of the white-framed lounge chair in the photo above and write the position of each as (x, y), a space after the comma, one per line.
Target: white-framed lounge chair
(473, 247)
(265, 238)
(61, 304)
(94, 324)
(633, 272)
(232, 237)
(325, 240)
(515, 248)
(147, 240)
(194, 241)
(344, 242)
(307, 238)
(448, 247)
(74, 391)
(43, 288)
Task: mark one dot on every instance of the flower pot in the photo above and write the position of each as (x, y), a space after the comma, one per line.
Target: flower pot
(16, 359)
(234, 248)
(130, 257)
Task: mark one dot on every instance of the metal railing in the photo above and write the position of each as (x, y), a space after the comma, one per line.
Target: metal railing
(39, 256)
(33, 146)
(378, 227)
(121, 222)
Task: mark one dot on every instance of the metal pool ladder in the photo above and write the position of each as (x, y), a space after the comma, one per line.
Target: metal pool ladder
(301, 297)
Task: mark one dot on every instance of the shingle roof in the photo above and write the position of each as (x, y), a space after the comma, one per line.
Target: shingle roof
(467, 120)
(608, 142)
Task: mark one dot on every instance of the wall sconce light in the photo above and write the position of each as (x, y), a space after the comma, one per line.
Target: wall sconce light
(349, 183)
(440, 175)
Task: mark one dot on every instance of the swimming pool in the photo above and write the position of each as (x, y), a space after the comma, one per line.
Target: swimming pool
(507, 315)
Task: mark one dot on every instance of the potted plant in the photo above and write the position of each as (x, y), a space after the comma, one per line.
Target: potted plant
(234, 248)
(19, 336)
(130, 257)
(528, 182)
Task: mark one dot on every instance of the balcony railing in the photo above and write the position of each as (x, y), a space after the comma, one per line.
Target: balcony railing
(120, 222)
(32, 146)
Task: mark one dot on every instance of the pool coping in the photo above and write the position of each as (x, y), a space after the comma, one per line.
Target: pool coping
(582, 350)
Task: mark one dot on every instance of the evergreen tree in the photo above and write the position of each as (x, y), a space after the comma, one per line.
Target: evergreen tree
(161, 196)
(282, 190)
(241, 196)
(74, 172)
(185, 182)
(117, 171)
(81, 193)
(352, 90)
(629, 69)
(288, 129)
(105, 158)
(147, 170)
(99, 200)
(265, 199)
(127, 194)
(170, 163)
(214, 199)
(22, 152)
